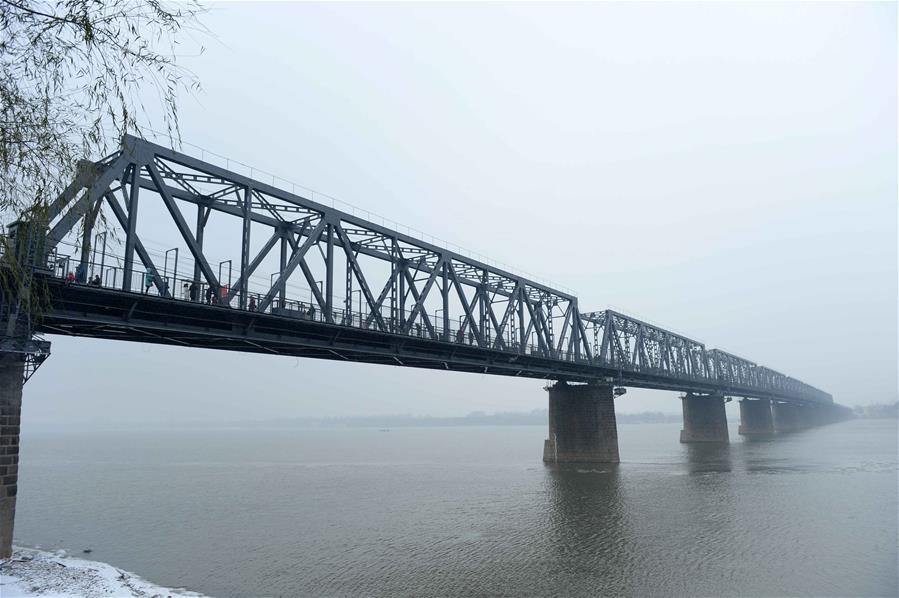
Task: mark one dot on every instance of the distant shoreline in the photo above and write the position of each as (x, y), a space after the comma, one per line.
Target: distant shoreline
(538, 417)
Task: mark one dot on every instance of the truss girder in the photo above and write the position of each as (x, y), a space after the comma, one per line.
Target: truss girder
(483, 307)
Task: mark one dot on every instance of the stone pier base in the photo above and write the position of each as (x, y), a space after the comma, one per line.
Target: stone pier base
(582, 425)
(11, 380)
(704, 419)
(756, 419)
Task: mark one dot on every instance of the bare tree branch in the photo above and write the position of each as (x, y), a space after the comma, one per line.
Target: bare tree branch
(73, 78)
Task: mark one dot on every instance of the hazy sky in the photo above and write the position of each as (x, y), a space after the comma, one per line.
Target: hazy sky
(726, 170)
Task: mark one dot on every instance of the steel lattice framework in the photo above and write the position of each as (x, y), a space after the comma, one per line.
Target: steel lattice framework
(416, 303)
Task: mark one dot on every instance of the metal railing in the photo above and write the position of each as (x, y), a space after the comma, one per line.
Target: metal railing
(174, 287)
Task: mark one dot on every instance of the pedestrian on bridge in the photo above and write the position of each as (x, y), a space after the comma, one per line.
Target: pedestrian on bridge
(148, 280)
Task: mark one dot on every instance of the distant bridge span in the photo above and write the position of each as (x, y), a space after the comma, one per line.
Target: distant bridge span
(196, 255)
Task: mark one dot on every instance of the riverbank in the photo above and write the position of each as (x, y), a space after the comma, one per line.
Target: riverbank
(33, 572)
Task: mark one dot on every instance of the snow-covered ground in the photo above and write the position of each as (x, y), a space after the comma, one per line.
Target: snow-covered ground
(38, 573)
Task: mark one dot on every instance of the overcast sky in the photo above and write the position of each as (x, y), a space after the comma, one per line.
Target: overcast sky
(725, 170)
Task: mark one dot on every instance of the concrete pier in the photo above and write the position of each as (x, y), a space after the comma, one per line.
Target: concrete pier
(756, 419)
(704, 419)
(11, 380)
(788, 417)
(582, 426)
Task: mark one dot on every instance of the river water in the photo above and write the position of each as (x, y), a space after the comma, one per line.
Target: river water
(470, 511)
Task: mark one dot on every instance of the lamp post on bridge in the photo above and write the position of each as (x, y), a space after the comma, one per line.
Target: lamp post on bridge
(437, 311)
(271, 285)
(218, 291)
(102, 253)
(165, 269)
(360, 306)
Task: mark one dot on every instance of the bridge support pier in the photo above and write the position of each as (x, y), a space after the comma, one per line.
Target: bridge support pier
(705, 419)
(756, 419)
(12, 369)
(788, 417)
(582, 426)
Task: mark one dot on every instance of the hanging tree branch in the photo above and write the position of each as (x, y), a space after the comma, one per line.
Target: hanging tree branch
(75, 76)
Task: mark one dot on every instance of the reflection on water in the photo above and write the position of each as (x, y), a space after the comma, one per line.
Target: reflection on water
(708, 457)
(588, 535)
(471, 511)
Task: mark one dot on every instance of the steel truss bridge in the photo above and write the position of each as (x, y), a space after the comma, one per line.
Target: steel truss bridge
(369, 294)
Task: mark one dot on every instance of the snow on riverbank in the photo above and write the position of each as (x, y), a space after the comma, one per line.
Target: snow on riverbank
(38, 573)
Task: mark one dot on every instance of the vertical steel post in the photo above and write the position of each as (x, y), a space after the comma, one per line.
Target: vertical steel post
(401, 321)
(481, 293)
(329, 275)
(348, 299)
(445, 292)
(245, 247)
(551, 340)
(521, 329)
(394, 275)
(201, 225)
(131, 233)
(282, 293)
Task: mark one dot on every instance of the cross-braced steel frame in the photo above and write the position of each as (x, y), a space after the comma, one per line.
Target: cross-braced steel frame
(369, 278)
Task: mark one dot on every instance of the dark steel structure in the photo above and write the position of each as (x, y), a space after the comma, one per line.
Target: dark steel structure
(368, 293)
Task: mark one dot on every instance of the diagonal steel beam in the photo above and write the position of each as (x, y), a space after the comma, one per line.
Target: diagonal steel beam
(310, 279)
(261, 255)
(488, 307)
(465, 305)
(184, 229)
(564, 330)
(388, 286)
(138, 246)
(510, 310)
(420, 298)
(357, 271)
(588, 350)
(98, 186)
(535, 325)
(290, 266)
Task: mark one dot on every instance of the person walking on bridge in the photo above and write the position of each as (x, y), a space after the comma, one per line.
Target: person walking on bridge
(148, 280)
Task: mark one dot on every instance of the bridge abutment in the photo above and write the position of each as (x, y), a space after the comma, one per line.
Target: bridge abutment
(582, 427)
(11, 381)
(705, 419)
(756, 418)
